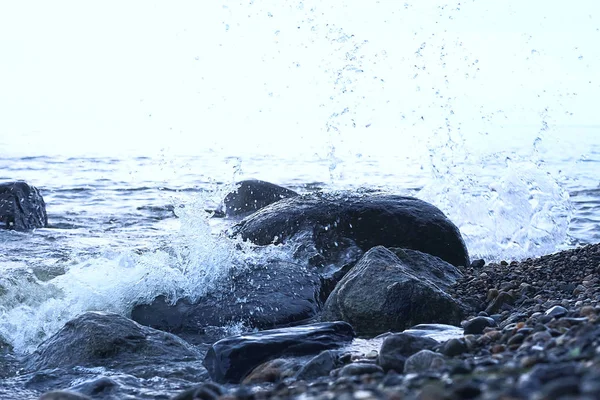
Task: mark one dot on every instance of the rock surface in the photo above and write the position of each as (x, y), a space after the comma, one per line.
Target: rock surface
(252, 195)
(96, 339)
(333, 223)
(231, 359)
(22, 207)
(262, 297)
(396, 348)
(384, 292)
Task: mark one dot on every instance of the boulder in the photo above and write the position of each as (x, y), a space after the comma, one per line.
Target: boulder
(268, 296)
(22, 207)
(384, 292)
(252, 195)
(100, 339)
(229, 360)
(334, 223)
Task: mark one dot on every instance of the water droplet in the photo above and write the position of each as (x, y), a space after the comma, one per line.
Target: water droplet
(226, 27)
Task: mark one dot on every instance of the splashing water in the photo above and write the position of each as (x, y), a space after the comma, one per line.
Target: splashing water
(189, 265)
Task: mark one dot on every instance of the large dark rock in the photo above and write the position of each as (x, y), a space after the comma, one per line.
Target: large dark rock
(272, 295)
(334, 223)
(22, 207)
(384, 292)
(252, 195)
(229, 360)
(96, 339)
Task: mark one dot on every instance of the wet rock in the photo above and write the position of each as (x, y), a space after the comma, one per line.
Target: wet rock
(333, 223)
(556, 312)
(63, 395)
(263, 297)
(385, 292)
(97, 387)
(205, 391)
(22, 207)
(320, 365)
(480, 263)
(423, 361)
(229, 360)
(454, 347)
(272, 371)
(475, 326)
(396, 348)
(97, 339)
(358, 368)
(252, 195)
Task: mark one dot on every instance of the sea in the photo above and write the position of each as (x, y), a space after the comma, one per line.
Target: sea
(399, 98)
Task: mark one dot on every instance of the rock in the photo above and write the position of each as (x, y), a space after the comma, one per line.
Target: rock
(204, 391)
(263, 297)
(252, 195)
(480, 263)
(63, 395)
(454, 347)
(101, 386)
(96, 339)
(497, 303)
(396, 348)
(334, 223)
(384, 292)
(320, 365)
(475, 326)
(22, 207)
(423, 361)
(229, 360)
(358, 368)
(556, 312)
(272, 371)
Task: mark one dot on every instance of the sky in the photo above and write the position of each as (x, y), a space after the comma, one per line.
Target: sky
(291, 76)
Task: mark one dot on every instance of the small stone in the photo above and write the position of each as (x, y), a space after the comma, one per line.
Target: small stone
(356, 369)
(564, 386)
(579, 289)
(503, 263)
(556, 312)
(454, 347)
(478, 324)
(483, 275)
(586, 311)
(498, 348)
(475, 264)
(468, 390)
(423, 361)
(516, 339)
(491, 295)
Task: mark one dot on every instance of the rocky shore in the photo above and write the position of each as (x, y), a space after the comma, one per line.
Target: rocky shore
(375, 303)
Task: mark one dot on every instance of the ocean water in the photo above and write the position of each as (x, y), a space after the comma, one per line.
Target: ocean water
(484, 111)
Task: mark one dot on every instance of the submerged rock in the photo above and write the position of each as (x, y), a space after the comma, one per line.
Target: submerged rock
(97, 339)
(22, 207)
(269, 296)
(332, 224)
(252, 195)
(229, 360)
(384, 292)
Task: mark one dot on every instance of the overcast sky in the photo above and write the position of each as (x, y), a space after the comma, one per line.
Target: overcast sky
(86, 77)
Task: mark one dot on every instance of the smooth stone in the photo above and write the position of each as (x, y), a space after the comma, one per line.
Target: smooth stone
(384, 292)
(502, 299)
(475, 326)
(229, 360)
(556, 312)
(396, 348)
(320, 365)
(252, 195)
(22, 207)
(476, 264)
(358, 368)
(454, 347)
(95, 339)
(333, 223)
(423, 361)
(275, 294)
